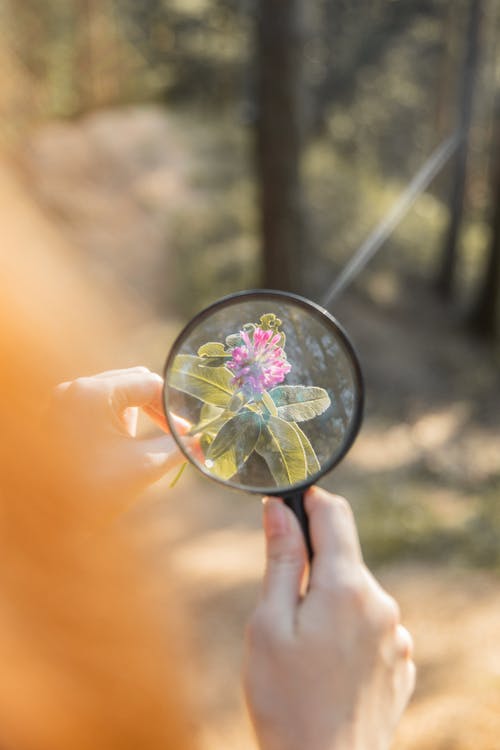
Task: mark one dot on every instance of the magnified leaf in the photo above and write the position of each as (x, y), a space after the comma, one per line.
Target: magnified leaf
(237, 401)
(298, 403)
(214, 361)
(313, 465)
(282, 449)
(213, 354)
(233, 340)
(212, 349)
(210, 385)
(234, 443)
(269, 404)
(211, 427)
(225, 466)
(209, 412)
(269, 321)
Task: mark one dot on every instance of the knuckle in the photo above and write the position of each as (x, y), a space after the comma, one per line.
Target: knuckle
(342, 512)
(391, 612)
(257, 629)
(403, 642)
(74, 391)
(335, 502)
(386, 614)
(385, 611)
(262, 631)
(350, 592)
(80, 386)
(342, 506)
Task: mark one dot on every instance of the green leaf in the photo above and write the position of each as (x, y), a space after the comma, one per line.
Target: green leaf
(239, 434)
(233, 340)
(269, 321)
(225, 466)
(233, 444)
(282, 449)
(214, 361)
(237, 401)
(212, 349)
(269, 404)
(209, 412)
(298, 403)
(313, 465)
(211, 427)
(210, 385)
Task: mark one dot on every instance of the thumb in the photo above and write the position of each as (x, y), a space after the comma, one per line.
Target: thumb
(285, 558)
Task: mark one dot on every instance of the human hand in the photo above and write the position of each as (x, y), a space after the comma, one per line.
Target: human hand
(94, 420)
(332, 669)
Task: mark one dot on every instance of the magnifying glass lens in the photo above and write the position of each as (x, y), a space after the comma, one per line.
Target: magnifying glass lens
(271, 387)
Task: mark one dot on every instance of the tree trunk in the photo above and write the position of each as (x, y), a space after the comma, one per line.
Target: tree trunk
(446, 273)
(279, 140)
(484, 318)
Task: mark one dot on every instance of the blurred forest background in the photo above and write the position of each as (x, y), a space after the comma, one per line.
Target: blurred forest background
(185, 149)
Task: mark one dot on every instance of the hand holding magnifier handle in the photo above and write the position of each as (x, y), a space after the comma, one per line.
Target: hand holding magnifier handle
(273, 390)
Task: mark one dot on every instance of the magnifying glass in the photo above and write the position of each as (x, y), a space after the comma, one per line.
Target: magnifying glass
(272, 389)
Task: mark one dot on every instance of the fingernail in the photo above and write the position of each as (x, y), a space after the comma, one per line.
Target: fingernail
(275, 518)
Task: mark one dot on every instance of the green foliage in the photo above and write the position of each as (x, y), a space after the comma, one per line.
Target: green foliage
(313, 465)
(210, 385)
(213, 354)
(212, 349)
(233, 426)
(299, 403)
(240, 433)
(281, 448)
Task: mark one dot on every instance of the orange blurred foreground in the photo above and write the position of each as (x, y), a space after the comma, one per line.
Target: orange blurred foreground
(85, 660)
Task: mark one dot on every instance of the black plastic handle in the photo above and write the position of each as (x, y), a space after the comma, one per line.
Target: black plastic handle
(295, 501)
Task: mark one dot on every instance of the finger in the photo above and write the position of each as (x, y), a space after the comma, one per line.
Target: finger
(334, 536)
(405, 678)
(122, 371)
(135, 389)
(106, 375)
(182, 426)
(403, 643)
(397, 646)
(411, 676)
(157, 415)
(160, 454)
(285, 560)
(130, 418)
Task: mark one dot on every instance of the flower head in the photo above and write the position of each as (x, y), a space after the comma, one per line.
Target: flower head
(259, 362)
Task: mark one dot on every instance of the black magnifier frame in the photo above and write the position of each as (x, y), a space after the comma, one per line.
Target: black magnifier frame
(294, 494)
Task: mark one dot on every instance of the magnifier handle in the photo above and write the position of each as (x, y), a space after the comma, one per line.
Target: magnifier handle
(295, 501)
